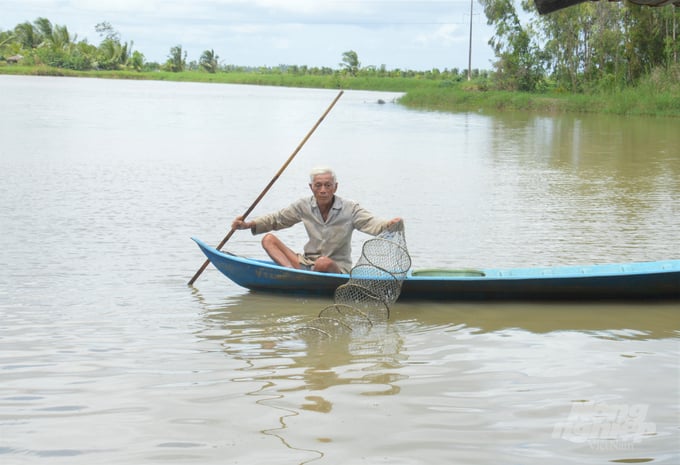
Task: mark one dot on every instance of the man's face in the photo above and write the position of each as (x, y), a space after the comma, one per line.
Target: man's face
(323, 188)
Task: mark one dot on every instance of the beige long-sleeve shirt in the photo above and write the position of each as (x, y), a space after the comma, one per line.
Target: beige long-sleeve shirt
(331, 238)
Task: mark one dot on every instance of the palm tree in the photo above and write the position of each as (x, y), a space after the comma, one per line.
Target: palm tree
(176, 60)
(350, 62)
(209, 61)
(6, 37)
(44, 29)
(61, 38)
(137, 60)
(28, 35)
(113, 54)
(57, 37)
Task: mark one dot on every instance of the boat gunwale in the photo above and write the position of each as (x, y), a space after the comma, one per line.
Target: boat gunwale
(522, 273)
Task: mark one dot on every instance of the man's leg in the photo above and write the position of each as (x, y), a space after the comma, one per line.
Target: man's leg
(326, 265)
(279, 252)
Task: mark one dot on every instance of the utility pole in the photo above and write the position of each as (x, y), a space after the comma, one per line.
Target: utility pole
(470, 45)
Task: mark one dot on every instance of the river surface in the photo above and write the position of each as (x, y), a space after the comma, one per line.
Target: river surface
(107, 356)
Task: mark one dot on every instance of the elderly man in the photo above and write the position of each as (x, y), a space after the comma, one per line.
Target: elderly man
(329, 221)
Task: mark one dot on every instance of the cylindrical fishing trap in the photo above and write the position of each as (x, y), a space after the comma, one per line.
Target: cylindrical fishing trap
(374, 285)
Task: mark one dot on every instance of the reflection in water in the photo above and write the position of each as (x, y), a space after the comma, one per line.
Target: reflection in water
(610, 182)
(261, 331)
(249, 331)
(477, 366)
(375, 350)
(608, 320)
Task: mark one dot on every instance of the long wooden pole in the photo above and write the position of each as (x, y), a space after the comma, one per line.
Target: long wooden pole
(271, 183)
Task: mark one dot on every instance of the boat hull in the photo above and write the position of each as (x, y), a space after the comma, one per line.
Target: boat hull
(631, 281)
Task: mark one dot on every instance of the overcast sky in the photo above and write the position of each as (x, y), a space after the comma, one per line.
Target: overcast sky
(417, 35)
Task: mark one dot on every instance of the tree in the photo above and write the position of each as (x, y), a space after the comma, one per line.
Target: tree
(44, 28)
(519, 63)
(603, 45)
(583, 43)
(28, 35)
(54, 45)
(112, 53)
(649, 38)
(137, 60)
(8, 44)
(6, 37)
(350, 62)
(177, 60)
(62, 39)
(209, 61)
(107, 31)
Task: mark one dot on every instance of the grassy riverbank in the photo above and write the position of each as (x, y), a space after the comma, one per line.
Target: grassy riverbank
(656, 95)
(336, 80)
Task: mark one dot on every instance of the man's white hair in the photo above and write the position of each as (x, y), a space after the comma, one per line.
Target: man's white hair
(322, 170)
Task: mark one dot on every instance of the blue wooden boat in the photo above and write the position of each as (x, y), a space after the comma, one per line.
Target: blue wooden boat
(640, 281)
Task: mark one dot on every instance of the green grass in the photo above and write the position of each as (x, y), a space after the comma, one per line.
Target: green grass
(657, 95)
(632, 101)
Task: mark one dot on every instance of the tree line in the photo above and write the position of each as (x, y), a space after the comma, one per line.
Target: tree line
(42, 43)
(592, 46)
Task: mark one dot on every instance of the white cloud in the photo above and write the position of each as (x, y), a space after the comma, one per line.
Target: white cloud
(446, 34)
(309, 7)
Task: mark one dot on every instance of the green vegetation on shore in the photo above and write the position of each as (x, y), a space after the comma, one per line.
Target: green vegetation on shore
(593, 57)
(655, 95)
(618, 59)
(260, 77)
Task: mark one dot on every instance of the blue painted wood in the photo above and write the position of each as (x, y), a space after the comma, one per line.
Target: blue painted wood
(625, 281)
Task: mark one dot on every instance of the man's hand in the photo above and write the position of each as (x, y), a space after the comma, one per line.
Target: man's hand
(240, 224)
(395, 224)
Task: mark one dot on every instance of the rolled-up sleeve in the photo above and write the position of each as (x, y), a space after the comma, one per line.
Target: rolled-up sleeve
(364, 221)
(282, 219)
